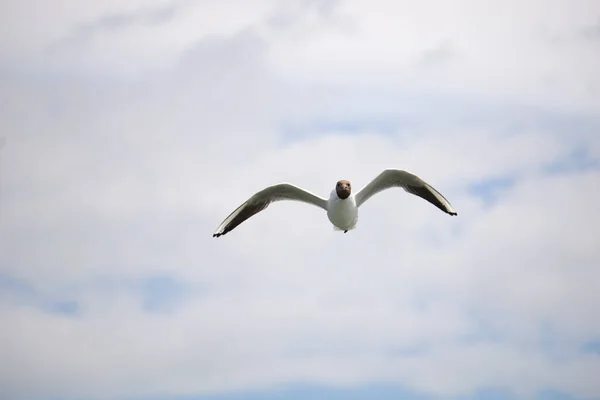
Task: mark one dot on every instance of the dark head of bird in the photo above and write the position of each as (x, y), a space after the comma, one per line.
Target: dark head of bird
(343, 189)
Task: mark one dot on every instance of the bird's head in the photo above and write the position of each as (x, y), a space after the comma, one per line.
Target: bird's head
(343, 189)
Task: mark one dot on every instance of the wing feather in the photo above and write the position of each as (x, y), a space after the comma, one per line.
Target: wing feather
(410, 183)
(261, 200)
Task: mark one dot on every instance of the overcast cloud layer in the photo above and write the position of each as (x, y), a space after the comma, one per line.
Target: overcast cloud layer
(130, 129)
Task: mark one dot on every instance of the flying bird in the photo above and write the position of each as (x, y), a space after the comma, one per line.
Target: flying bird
(342, 206)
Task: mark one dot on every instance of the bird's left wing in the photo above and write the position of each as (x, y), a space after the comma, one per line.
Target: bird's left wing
(261, 200)
(410, 183)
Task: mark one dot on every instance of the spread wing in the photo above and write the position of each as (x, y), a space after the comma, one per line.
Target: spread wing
(261, 200)
(409, 182)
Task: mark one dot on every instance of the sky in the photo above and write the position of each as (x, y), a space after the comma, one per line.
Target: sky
(130, 129)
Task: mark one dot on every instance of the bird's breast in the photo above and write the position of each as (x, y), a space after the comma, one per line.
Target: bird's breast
(342, 213)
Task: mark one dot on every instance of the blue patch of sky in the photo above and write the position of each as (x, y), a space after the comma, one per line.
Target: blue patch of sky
(355, 111)
(366, 392)
(489, 189)
(350, 111)
(380, 392)
(159, 293)
(306, 392)
(578, 159)
(162, 293)
(64, 307)
(490, 393)
(8, 284)
(554, 394)
(505, 394)
(591, 347)
(18, 291)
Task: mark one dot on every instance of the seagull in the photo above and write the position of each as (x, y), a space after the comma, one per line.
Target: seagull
(342, 206)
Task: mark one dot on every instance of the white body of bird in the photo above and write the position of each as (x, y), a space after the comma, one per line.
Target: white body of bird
(342, 213)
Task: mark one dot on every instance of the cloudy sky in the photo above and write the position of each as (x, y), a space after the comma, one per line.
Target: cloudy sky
(131, 128)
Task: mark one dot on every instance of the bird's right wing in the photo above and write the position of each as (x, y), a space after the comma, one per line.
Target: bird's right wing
(261, 200)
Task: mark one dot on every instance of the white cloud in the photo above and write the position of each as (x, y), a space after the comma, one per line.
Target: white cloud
(116, 38)
(506, 50)
(117, 180)
(500, 49)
